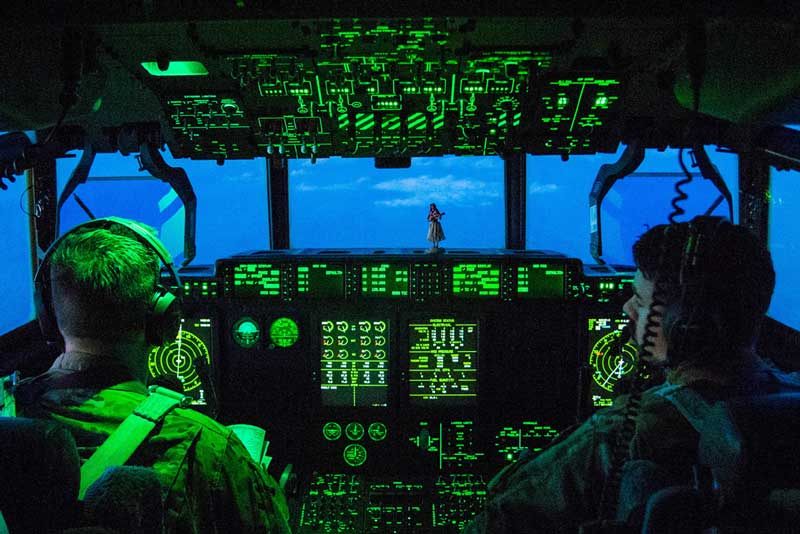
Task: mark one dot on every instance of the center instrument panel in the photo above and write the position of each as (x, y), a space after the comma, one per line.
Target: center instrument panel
(398, 382)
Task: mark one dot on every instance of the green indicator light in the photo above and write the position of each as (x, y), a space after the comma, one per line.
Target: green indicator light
(332, 431)
(563, 101)
(354, 431)
(355, 455)
(97, 105)
(377, 431)
(246, 332)
(283, 332)
(176, 68)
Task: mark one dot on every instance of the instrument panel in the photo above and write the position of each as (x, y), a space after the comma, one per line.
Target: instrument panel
(397, 383)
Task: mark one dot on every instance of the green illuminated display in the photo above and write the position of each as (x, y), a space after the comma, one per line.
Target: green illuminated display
(384, 280)
(176, 68)
(609, 363)
(443, 362)
(178, 359)
(246, 332)
(354, 431)
(476, 279)
(355, 455)
(332, 431)
(540, 280)
(354, 363)
(284, 332)
(453, 443)
(530, 435)
(320, 280)
(377, 431)
(256, 280)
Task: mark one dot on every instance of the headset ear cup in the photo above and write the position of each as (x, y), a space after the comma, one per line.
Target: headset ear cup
(164, 318)
(673, 328)
(45, 314)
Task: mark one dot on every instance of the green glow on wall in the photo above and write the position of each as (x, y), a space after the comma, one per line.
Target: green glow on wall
(283, 332)
(176, 68)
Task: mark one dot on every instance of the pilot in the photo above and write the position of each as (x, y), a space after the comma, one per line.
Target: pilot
(102, 285)
(713, 282)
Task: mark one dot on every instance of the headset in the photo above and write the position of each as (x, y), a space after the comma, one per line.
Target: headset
(691, 324)
(164, 310)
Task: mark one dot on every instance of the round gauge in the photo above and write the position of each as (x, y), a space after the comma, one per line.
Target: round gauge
(610, 365)
(178, 359)
(354, 431)
(283, 332)
(377, 431)
(332, 431)
(246, 332)
(355, 455)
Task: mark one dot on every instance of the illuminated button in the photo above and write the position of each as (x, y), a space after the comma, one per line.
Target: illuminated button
(283, 332)
(354, 431)
(332, 431)
(246, 332)
(355, 454)
(377, 431)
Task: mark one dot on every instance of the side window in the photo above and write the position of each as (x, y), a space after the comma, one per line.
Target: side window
(16, 290)
(784, 233)
(231, 202)
(634, 204)
(343, 202)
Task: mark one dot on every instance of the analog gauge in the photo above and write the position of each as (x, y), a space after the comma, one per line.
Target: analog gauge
(611, 365)
(283, 332)
(354, 431)
(246, 332)
(332, 431)
(377, 431)
(355, 455)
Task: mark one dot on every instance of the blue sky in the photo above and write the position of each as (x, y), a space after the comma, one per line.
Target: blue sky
(341, 202)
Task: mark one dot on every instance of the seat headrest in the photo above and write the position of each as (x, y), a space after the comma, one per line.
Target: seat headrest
(40, 470)
(770, 432)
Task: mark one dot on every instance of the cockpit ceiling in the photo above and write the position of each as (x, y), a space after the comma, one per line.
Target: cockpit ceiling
(392, 87)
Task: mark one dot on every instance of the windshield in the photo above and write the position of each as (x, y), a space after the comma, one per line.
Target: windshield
(348, 203)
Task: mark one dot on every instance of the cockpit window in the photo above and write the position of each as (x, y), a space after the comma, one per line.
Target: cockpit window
(343, 202)
(231, 202)
(784, 233)
(635, 203)
(16, 290)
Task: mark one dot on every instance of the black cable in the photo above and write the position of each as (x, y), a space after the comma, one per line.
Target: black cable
(609, 497)
(680, 194)
(21, 196)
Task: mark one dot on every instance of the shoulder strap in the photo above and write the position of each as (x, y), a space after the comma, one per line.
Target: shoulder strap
(123, 442)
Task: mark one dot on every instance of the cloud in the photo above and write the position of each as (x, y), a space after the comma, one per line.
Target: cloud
(537, 187)
(424, 189)
(330, 185)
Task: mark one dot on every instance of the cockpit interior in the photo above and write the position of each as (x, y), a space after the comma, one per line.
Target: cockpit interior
(273, 145)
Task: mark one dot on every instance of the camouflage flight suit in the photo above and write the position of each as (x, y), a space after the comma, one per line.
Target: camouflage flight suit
(209, 481)
(560, 488)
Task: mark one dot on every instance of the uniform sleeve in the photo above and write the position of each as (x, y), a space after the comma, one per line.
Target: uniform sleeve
(248, 499)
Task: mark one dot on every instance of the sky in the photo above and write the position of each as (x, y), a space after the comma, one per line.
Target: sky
(347, 203)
